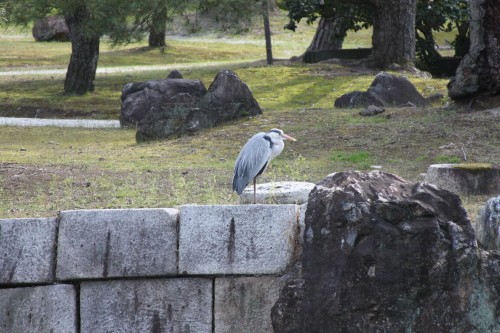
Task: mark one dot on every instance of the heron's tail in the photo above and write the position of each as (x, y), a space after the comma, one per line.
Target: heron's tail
(239, 183)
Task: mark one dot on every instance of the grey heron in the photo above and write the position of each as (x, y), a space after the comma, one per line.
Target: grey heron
(255, 156)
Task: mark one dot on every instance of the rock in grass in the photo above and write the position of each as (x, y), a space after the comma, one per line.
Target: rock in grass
(385, 90)
(150, 100)
(50, 28)
(175, 74)
(465, 178)
(385, 255)
(174, 107)
(371, 110)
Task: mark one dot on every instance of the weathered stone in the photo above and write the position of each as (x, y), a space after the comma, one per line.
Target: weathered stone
(150, 99)
(243, 304)
(474, 178)
(229, 98)
(27, 250)
(385, 255)
(175, 74)
(487, 225)
(38, 309)
(357, 99)
(371, 110)
(182, 119)
(248, 239)
(117, 243)
(385, 90)
(278, 193)
(174, 107)
(51, 28)
(154, 305)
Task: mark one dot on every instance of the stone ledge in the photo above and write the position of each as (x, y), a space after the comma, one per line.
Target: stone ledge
(117, 243)
(27, 250)
(38, 309)
(278, 193)
(243, 304)
(250, 239)
(147, 305)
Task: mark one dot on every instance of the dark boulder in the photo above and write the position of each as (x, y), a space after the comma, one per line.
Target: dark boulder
(385, 255)
(229, 98)
(385, 90)
(50, 28)
(152, 99)
(175, 107)
(175, 74)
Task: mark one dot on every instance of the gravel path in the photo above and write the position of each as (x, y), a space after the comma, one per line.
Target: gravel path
(108, 70)
(85, 123)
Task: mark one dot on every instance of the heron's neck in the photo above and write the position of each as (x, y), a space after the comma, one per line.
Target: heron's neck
(277, 148)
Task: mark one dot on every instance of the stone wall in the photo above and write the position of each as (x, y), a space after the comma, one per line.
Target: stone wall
(193, 269)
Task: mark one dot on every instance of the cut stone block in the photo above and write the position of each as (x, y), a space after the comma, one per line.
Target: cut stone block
(465, 178)
(278, 193)
(153, 305)
(27, 250)
(38, 309)
(117, 243)
(243, 304)
(247, 239)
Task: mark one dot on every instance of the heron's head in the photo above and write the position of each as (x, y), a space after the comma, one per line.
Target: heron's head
(276, 133)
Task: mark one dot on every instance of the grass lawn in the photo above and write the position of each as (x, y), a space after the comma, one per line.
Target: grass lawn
(44, 170)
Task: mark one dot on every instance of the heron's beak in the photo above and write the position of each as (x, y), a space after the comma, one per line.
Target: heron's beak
(288, 137)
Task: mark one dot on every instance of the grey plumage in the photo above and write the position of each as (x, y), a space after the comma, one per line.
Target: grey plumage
(255, 156)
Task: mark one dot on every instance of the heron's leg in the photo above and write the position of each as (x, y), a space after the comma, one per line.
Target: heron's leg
(254, 190)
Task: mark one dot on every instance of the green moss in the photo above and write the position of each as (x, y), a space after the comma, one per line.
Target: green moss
(474, 166)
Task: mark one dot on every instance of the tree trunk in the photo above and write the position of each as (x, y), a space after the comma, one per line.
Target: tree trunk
(394, 32)
(462, 41)
(329, 35)
(427, 44)
(158, 26)
(267, 32)
(84, 54)
(479, 71)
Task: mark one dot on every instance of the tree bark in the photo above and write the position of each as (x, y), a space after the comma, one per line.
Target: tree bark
(158, 26)
(82, 66)
(329, 35)
(394, 32)
(267, 32)
(479, 71)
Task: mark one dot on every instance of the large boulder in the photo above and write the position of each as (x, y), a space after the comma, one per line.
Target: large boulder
(50, 28)
(174, 106)
(385, 255)
(229, 98)
(157, 98)
(385, 90)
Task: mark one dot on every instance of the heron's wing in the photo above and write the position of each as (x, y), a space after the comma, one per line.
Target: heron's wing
(252, 158)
